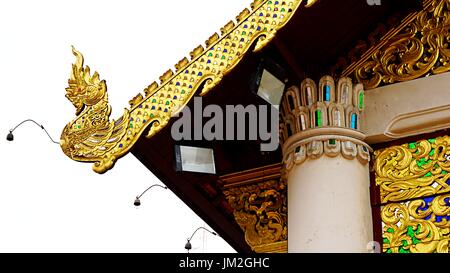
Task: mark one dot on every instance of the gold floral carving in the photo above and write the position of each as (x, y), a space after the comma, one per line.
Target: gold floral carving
(93, 137)
(413, 170)
(417, 226)
(419, 46)
(260, 209)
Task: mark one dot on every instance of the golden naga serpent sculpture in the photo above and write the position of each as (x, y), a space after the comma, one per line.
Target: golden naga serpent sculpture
(93, 137)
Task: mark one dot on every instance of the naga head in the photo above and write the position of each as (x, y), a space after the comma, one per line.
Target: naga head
(84, 89)
(88, 94)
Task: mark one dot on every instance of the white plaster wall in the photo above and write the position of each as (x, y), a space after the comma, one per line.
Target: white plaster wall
(329, 206)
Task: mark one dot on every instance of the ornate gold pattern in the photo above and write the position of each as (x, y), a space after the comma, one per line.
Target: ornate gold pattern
(260, 209)
(92, 137)
(413, 170)
(417, 226)
(419, 46)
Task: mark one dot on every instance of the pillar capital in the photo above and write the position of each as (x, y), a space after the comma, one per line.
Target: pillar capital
(325, 164)
(323, 119)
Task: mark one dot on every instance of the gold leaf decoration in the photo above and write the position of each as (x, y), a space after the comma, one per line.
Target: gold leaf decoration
(260, 209)
(413, 170)
(92, 137)
(418, 47)
(417, 226)
(415, 195)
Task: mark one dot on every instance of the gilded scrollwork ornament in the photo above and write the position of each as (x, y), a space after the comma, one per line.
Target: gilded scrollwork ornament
(417, 226)
(414, 186)
(417, 47)
(260, 209)
(413, 170)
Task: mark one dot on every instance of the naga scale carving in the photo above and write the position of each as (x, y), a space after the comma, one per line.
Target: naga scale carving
(417, 47)
(93, 137)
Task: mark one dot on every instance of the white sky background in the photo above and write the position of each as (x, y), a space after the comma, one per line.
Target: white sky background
(49, 203)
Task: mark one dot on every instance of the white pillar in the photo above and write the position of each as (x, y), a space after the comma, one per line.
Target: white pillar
(329, 206)
(326, 167)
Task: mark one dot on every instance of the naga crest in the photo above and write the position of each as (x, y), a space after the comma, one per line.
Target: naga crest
(84, 89)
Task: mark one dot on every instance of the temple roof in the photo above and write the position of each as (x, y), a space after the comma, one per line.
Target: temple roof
(301, 41)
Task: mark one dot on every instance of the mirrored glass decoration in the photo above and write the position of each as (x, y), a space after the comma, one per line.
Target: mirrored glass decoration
(414, 184)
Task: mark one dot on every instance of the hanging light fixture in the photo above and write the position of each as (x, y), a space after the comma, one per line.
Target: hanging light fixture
(188, 245)
(137, 201)
(10, 136)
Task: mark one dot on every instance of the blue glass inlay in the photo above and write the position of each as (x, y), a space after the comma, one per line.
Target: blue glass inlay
(199, 73)
(447, 201)
(425, 207)
(245, 26)
(261, 14)
(276, 2)
(190, 86)
(178, 84)
(274, 16)
(153, 107)
(258, 28)
(165, 110)
(208, 62)
(144, 121)
(140, 106)
(428, 201)
(448, 182)
(242, 39)
(187, 71)
(225, 50)
(131, 119)
(327, 92)
(120, 145)
(353, 123)
(174, 97)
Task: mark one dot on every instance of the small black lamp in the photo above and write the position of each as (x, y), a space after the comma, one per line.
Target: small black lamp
(10, 136)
